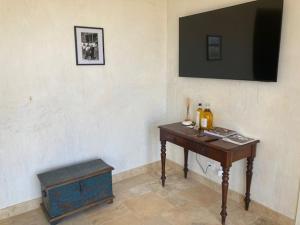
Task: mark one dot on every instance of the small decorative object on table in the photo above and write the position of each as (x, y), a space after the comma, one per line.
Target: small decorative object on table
(229, 136)
(188, 107)
(207, 118)
(220, 132)
(187, 122)
(239, 139)
(199, 115)
(74, 188)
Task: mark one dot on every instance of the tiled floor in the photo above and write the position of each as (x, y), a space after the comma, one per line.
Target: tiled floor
(142, 201)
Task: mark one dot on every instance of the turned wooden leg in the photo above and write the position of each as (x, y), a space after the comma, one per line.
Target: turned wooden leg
(225, 184)
(186, 155)
(163, 162)
(248, 181)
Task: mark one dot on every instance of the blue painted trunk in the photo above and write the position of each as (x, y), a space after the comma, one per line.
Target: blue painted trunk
(68, 189)
(72, 196)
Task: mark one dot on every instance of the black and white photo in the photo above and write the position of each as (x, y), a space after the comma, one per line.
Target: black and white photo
(89, 44)
(214, 47)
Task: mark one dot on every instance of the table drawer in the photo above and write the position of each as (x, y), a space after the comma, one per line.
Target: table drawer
(175, 140)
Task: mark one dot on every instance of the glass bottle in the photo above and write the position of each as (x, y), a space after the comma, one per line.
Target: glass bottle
(199, 114)
(207, 118)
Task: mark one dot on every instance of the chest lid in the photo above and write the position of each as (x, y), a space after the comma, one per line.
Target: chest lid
(73, 173)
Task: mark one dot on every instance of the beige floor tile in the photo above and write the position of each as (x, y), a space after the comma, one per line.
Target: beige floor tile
(148, 205)
(200, 195)
(190, 215)
(103, 214)
(128, 219)
(142, 200)
(157, 220)
(35, 217)
(77, 219)
(264, 221)
(5, 222)
(133, 187)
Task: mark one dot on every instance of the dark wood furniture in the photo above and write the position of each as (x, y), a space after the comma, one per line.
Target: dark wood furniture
(74, 188)
(213, 148)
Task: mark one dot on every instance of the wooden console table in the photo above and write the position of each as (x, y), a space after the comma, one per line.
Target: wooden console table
(218, 150)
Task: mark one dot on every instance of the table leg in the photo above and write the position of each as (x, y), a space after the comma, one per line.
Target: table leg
(225, 184)
(248, 181)
(163, 162)
(186, 155)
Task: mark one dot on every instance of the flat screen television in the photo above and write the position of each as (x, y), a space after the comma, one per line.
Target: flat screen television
(241, 42)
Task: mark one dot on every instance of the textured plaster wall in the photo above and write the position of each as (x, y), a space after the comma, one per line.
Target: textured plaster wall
(54, 113)
(269, 111)
(298, 209)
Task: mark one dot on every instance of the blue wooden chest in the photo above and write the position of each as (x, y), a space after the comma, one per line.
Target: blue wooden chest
(74, 188)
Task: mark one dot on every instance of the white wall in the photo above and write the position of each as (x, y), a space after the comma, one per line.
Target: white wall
(112, 111)
(298, 209)
(78, 112)
(269, 111)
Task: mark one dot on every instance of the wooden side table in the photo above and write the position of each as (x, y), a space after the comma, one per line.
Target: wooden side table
(218, 150)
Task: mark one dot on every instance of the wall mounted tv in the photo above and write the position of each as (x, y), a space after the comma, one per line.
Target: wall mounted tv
(241, 42)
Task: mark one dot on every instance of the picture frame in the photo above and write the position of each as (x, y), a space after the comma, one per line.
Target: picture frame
(214, 47)
(89, 46)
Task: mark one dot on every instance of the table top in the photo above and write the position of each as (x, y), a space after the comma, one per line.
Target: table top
(73, 173)
(194, 135)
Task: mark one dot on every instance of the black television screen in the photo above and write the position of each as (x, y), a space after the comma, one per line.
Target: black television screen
(240, 42)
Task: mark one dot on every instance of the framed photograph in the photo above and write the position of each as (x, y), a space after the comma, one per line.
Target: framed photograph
(89, 45)
(214, 47)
